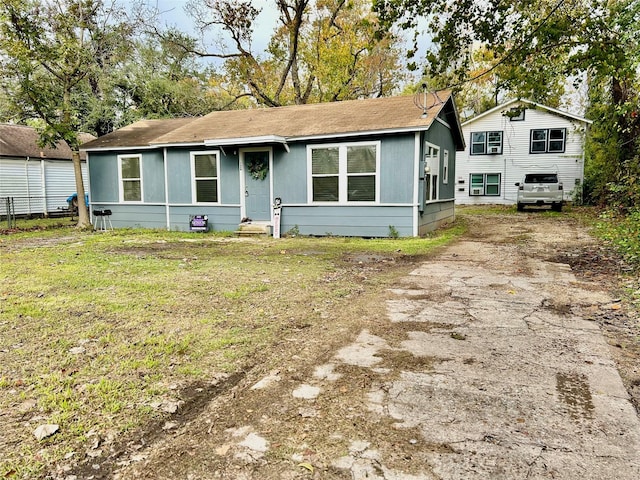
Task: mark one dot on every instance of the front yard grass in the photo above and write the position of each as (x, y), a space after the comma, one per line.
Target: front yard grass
(99, 332)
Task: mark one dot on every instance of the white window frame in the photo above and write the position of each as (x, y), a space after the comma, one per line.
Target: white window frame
(431, 172)
(122, 180)
(484, 193)
(194, 193)
(343, 176)
(488, 147)
(547, 140)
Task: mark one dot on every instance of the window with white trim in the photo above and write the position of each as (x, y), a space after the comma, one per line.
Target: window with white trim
(205, 168)
(431, 170)
(484, 184)
(486, 143)
(344, 173)
(548, 140)
(130, 169)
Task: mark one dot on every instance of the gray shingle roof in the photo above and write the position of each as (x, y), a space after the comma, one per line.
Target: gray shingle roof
(138, 134)
(22, 141)
(292, 122)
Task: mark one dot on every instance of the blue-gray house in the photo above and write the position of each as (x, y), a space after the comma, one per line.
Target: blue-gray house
(365, 168)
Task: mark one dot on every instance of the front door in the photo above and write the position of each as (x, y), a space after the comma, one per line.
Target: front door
(257, 184)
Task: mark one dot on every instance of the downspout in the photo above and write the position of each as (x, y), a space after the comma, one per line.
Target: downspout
(416, 183)
(166, 189)
(504, 180)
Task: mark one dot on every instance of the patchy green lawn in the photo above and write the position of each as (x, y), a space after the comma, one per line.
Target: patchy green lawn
(100, 331)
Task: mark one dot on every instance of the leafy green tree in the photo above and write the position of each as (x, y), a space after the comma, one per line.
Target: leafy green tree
(161, 80)
(324, 50)
(50, 53)
(537, 45)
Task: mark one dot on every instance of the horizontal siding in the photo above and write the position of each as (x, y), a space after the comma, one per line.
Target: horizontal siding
(155, 216)
(221, 219)
(134, 216)
(440, 135)
(435, 215)
(347, 221)
(516, 160)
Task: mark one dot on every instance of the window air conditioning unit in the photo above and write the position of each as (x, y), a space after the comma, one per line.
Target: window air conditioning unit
(494, 150)
(476, 191)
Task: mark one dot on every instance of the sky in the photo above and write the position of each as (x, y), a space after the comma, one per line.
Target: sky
(172, 13)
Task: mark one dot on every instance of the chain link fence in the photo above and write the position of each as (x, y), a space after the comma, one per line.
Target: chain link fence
(15, 211)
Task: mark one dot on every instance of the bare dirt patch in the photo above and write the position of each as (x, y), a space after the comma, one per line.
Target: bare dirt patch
(232, 429)
(298, 428)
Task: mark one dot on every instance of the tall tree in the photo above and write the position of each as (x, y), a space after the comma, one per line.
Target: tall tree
(323, 50)
(51, 54)
(538, 44)
(158, 79)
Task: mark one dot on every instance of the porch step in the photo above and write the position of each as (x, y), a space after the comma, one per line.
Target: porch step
(252, 229)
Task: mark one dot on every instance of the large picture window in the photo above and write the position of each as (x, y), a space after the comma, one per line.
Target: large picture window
(548, 140)
(130, 178)
(204, 166)
(486, 143)
(484, 184)
(344, 173)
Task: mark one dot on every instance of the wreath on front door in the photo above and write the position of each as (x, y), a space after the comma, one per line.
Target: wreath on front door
(258, 168)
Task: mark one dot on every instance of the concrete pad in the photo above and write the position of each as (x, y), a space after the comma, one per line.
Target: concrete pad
(520, 387)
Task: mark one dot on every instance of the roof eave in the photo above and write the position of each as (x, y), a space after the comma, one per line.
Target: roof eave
(364, 133)
(502, 106)
(117, 147)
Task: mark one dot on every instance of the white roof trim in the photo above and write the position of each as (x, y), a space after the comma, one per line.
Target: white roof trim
(241, 141)
(323, 136)
(111, 148)
(245, 140)
(537, 105)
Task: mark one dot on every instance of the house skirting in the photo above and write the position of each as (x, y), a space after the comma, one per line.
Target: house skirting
(435, 215)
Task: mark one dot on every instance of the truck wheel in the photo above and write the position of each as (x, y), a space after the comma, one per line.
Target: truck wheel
(520, 207)
(556, 207)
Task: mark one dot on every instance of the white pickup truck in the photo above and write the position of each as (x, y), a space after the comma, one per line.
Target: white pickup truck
(540, 189)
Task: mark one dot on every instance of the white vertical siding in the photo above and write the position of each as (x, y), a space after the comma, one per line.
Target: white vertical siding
(515, 159)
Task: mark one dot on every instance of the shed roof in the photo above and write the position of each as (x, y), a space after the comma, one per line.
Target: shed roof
(22, 141)
(281, 124)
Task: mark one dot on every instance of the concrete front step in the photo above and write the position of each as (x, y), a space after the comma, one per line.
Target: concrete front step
(253, 229)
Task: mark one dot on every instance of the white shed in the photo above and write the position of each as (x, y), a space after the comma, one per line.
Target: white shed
(515, 138)
(38, 179)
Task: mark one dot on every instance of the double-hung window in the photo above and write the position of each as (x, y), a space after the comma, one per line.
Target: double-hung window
(486, 143)
(344, 173)
(484, 184)
(204, 166)
(130, 169)
(431, 170)
(548, 140)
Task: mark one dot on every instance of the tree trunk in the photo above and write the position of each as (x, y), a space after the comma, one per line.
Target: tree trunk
(83, 211)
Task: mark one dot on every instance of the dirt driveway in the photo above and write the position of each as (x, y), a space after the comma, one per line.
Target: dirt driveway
(494, 359)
